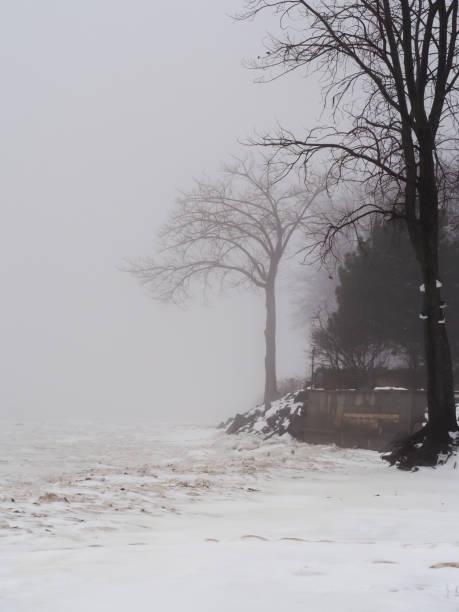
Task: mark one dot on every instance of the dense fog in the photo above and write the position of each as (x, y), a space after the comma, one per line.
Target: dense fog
(108, 108)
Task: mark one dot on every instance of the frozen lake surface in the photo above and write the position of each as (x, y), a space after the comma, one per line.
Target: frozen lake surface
(104, 517)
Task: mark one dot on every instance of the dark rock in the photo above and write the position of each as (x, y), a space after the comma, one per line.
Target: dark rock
(285, 415)
(238, 423)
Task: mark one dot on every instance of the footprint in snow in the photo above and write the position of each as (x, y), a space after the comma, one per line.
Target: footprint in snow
(307, 571)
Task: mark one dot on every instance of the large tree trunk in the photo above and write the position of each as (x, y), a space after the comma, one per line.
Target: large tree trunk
(440, 385)
(427, 446)
(271, 392)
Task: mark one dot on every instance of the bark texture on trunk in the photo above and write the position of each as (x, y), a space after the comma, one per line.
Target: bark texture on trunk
(426, 446)
(440, 387)
(440, 384)
(271, 392)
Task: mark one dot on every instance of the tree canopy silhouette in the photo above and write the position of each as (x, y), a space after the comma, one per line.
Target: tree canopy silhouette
(391, 68)
(232, 231)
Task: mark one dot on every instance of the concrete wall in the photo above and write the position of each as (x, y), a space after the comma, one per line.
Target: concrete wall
(365, 419)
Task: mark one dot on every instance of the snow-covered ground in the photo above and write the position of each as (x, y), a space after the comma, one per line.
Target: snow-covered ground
(98, 518)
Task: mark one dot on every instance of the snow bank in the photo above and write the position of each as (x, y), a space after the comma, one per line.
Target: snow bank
(284, 416)
(110, 517)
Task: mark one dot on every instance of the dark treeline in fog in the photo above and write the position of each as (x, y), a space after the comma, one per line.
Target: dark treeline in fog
(377, 320)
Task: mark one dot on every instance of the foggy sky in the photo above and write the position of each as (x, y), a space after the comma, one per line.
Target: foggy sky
(107, 108)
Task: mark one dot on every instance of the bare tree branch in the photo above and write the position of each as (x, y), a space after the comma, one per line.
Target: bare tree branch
(391, 67)
(233, 231)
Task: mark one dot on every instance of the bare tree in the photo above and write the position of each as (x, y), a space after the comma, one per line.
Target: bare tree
(391, 71)
(233, 231)
(341, 347)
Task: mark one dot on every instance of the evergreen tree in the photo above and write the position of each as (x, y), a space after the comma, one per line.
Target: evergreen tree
(377, 320)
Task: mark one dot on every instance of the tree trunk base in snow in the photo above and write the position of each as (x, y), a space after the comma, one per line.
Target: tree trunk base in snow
(422, 449)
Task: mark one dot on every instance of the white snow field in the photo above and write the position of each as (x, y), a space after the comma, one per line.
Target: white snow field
(111, 518)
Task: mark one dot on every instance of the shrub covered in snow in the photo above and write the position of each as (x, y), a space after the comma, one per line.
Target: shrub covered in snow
(282, 416)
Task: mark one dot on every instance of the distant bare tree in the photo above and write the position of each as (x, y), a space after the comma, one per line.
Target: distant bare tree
(390, 68)
(341, 347)
(233, 231)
